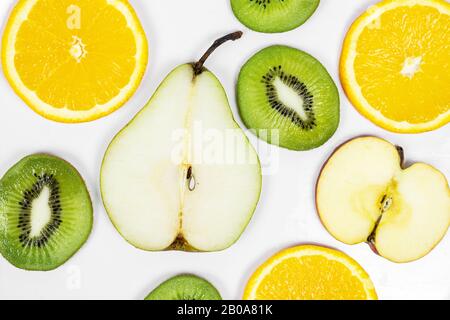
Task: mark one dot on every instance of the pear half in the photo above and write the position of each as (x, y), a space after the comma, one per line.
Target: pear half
(364, 195)
(182, 175)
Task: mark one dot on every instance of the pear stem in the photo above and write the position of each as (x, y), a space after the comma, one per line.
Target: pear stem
(198, 66)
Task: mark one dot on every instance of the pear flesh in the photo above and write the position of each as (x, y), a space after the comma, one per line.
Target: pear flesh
(182, 175)
(364, 195)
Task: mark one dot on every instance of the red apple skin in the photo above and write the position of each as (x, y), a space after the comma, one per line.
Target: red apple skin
(370, 242)
(372, 246)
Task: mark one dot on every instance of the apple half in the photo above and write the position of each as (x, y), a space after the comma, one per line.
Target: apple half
(182, 175)
(364, 195)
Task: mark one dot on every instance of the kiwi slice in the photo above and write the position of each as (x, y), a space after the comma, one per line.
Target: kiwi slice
(272, 16)
(185, 287)
(288, 98)
(45, 213)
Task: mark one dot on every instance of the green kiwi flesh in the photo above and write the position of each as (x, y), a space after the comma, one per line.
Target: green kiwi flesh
(45, 213)
(185, 287)
(273, 16)
(288, 98)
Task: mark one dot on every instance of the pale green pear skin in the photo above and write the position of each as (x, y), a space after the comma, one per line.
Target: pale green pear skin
(213, 216)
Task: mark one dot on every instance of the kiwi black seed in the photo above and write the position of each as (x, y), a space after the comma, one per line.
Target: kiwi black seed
(273, 16)
(26, 204)
(309, 122)
(288, 98)
(45, 213)
(185, 287)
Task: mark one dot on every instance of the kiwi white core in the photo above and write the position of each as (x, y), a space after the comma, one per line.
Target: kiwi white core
(411, 66)
(289, 97)
(40, 212)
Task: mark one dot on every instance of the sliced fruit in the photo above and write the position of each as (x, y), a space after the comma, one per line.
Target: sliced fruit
(74, 61)
(288, 98)
(273, 16)
(394, 65)
(45, 213)
(363, 194)
(185, 287)
(310, 273)
(182, 175)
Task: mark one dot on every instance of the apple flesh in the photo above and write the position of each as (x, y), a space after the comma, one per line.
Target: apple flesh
(182, 175)
(364, 195)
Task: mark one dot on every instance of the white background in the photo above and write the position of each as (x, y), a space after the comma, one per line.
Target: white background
(179, 31)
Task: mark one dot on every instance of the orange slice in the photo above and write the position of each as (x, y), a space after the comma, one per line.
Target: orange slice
(74, 61)
(395, 65)
(310, 273)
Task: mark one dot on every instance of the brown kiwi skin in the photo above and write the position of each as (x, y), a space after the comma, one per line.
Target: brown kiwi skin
(89, 203)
